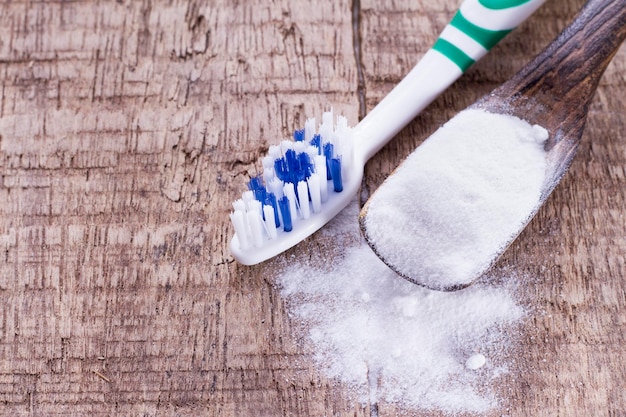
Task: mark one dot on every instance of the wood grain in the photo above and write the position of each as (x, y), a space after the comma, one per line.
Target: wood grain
(126, 130)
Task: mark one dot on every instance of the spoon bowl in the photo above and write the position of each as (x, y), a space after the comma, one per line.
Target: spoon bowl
(556, 88)
(553, 91)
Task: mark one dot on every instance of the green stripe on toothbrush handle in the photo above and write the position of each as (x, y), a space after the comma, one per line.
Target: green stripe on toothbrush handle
(502, 4)
(453, 53)
(487, 38)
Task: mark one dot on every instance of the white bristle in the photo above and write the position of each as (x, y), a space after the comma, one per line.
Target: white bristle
(268, 169)
(299, 147)
(326, 133)
(309, 129)
(239, 223)
(347, 151)
(303, 199)
(312, 151)
(314, 188)
(256, 206)
(268, 163)
(326, 128)
(290, 193)
(239, 205)
(320, 170)
(275, 186)
(248, 198)
(285, 145)
(327, 118)
(342, 123)
(270, 223)
(319, 162)
(268, 175)
(256, 227)
(274, 152)
(244, 207)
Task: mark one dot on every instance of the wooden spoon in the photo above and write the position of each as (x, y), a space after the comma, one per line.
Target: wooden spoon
(553, 91)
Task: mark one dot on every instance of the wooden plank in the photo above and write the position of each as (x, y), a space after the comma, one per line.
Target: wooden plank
(128, 128)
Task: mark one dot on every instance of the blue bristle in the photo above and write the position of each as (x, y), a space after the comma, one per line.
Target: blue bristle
(293, 165)
(317, 142)
(256, 186)
(328, 153)
(283, 204)
(298, 135)
(280, 168)
(306, 165)
(335, 167)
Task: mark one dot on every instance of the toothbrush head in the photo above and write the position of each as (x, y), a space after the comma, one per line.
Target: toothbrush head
(305, 183)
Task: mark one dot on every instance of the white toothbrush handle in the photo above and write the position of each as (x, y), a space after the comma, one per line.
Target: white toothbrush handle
(476, 27)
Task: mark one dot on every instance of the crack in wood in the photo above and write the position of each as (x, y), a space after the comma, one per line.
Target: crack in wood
(358, 56)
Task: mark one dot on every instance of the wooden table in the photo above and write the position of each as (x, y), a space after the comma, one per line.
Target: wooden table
(127, 128)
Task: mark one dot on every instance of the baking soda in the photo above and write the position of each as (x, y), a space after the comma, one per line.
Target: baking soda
(389, 340)
(476, 361)
(455, 203)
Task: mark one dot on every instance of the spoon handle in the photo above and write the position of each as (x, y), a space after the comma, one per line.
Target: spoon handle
(555, 89)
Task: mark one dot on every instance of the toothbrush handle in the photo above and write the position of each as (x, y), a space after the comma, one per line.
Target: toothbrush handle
(476, 27)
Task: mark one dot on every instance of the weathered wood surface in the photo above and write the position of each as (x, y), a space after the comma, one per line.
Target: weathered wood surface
(126, 130)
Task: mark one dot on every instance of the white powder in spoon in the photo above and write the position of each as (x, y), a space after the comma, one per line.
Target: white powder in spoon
(456, 202)
(393, 341)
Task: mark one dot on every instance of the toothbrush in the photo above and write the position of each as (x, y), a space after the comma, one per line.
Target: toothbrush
(307, 181)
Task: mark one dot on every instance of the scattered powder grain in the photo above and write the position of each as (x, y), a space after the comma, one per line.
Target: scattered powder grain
(391, 340)
(455, 203)
(476, 361)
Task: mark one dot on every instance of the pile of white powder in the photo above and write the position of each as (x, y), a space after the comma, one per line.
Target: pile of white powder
(390, 340)
(456, 202)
